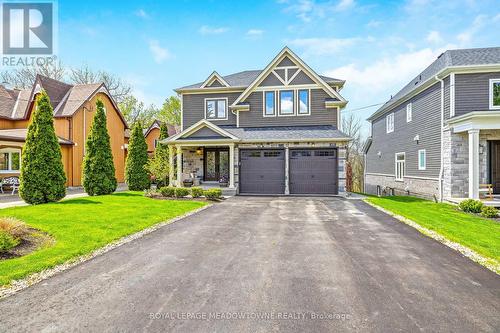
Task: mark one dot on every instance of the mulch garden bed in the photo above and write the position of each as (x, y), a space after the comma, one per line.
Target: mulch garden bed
(33, 241)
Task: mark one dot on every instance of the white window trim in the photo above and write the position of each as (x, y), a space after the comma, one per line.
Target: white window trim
(493, 107)
(452, 95)
(264, 104)
(308, 103)
(215, 99)
(293, 100)
(387, 128)
(420, 167)
(409, 112)
(10, 151)
(396, 166)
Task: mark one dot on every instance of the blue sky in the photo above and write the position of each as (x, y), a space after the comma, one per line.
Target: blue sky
(377, 46)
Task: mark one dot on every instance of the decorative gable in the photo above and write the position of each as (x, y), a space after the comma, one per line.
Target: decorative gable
(284, 70)
(214, 81)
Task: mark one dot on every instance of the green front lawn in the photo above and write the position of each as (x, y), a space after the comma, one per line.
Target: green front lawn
(479, 234)
(82, 225)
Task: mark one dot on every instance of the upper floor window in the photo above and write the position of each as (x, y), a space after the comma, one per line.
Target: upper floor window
(216, 109)
(269, 103)
(422, 163)
(389, 123)
(286, 103)
(10, 160)
(409, 112)
(304, 102)
(495, 94)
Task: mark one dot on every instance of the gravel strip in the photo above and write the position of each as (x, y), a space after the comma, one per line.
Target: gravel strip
(34, 278)
(489, 263)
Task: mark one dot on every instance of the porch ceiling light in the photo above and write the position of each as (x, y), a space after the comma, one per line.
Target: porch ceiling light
(198, 151)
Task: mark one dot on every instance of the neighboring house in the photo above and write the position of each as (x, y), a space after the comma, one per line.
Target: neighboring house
(270, 131)
(439, 136)
(152, 135)
(74, 108)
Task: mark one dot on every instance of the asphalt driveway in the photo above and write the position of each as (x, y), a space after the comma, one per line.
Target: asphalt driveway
(262, 264)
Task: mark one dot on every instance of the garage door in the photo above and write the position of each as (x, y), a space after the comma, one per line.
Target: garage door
(262, 171)
(313, 171)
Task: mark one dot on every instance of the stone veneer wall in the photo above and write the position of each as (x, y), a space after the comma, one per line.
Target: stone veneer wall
(192, 162)
(456, 162)
(424, 188)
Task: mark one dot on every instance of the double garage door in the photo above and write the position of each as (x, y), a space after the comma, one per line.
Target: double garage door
(311, 171)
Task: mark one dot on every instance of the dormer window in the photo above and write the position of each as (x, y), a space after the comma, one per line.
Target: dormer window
(216, 109)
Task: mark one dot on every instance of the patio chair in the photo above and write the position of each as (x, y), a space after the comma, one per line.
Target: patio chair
(12, 182)
(486, 190)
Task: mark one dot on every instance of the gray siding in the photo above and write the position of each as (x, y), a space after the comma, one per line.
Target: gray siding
(205, 133)
(270, 80)
(472, 92)
(216, 83)
(194, 108)
(446, 97)
(302, 78)
(319, 114)
(286, 62)
(426, 123)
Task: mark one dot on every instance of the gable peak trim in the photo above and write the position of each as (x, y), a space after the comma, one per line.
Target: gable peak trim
(212, 77)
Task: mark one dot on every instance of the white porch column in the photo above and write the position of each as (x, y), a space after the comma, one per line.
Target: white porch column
(287, 170)
(171, 165)
(474, 164)
(179, 166)
(231, 166)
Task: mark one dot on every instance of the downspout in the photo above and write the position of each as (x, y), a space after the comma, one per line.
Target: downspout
(441, 169)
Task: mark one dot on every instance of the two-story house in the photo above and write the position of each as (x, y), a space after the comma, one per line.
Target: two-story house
(439, 136)
(270, 131)
(152, 135)
(74, 108)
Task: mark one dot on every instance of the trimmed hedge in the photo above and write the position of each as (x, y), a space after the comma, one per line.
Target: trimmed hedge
(213, 194)
(196, 192)
(471, 206)
(181, 192)
(489, 212)
(167, 191)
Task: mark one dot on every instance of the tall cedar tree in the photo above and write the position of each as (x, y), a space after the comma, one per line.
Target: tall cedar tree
(42, 172)
(136, 176)
(98, 176)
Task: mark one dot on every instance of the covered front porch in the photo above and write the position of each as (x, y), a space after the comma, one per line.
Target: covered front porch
(475, 143)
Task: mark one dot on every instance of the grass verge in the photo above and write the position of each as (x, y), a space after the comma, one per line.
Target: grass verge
(476, 233)
(80, 226)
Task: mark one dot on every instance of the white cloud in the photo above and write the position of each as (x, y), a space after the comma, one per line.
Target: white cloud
(387, 74)
(255, 32)
(496, 18)
(374, 24)
(434, 37)
(307, 10)
(466, 36)
(207, 30)
(159, 53)
(326, 46)
(141, 13)
(344, 5)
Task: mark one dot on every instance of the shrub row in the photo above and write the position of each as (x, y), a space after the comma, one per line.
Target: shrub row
(477, 207)
(196, 192)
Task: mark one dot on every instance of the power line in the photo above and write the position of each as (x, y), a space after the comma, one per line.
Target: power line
(363, 107)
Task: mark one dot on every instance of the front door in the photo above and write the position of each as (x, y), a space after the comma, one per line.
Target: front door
(495, 165)
(216, 164)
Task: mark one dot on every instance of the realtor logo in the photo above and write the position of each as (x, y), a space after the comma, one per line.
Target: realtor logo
(27, 28)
